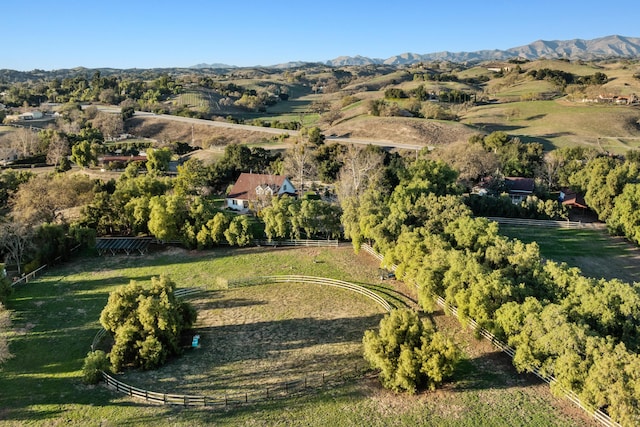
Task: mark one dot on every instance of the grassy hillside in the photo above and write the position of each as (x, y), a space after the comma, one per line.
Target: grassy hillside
(561, 123)
(534, 110)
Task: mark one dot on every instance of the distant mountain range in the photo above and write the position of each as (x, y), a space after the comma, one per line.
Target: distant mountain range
(604, 47)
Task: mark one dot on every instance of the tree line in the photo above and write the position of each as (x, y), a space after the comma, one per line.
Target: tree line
(583, 331)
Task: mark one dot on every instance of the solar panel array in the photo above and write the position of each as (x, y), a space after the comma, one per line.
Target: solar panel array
(127, 245)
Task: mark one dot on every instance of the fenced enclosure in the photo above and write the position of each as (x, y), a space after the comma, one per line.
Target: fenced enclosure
(547, 223)
(256, 393)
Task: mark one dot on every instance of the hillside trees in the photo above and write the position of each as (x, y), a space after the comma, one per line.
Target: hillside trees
(43, 198)
(602, 180)
(82, 154)
(25, 142)
(239, 231)
(299, 163)
(16, 241)
(158, 160)
(470, 160)
(146, 323)
(360, 167)
(287, 218)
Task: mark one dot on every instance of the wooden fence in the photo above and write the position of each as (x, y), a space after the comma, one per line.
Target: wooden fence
(597, 414)
(313, 280)
(27, 277)
(298, 242)
(547, 223)
(255, 394)
(282, 389)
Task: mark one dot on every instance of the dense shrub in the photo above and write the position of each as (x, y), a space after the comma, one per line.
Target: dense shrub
(94, 365)
(409, 353)
(146, 323)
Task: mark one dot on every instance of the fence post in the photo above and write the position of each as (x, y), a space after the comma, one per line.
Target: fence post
(267, 392)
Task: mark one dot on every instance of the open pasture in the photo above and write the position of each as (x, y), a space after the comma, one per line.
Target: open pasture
(56, 317)
(595, 252)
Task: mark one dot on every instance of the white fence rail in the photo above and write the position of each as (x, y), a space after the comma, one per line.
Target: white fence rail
(314, 280)
(547, 223)
(298, 242)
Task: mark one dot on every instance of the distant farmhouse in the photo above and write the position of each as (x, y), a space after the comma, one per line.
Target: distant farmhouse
(519, 188)
(499, 67)
(31, 115)
(252, 191)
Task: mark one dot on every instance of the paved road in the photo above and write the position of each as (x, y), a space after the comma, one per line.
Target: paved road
(272, 131)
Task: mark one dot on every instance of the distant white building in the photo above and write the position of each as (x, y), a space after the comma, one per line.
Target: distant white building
(31, 115)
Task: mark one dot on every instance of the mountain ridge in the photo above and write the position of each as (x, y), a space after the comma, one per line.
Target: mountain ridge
(574, 49)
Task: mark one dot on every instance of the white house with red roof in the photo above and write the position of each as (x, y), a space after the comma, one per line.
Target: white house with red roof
(519, 188)
(253, 190)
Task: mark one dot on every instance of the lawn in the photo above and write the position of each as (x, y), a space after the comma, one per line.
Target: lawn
(292, 330)
(595, 252)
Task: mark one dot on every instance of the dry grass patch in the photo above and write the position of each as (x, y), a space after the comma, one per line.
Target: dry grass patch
(259, 336)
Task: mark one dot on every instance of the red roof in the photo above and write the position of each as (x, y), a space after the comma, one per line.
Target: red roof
(245, 186)
(574, 199)
(516, 184)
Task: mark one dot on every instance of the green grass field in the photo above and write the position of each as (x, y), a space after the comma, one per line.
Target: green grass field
(595, 252)
(56, 317)
(558, 123)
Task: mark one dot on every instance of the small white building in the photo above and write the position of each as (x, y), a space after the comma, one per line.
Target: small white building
(31, 115)
(253, 190)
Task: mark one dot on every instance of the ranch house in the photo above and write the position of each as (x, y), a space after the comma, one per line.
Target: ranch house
(519, 188)
(253, 190)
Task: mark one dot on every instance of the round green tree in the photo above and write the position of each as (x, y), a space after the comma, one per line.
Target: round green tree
(409, 353)
(146, 323)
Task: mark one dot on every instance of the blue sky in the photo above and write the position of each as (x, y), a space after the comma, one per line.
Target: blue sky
(56, 34)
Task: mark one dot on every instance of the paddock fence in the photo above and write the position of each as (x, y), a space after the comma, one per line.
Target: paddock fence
(256, 393)
(298, 242)
(521, 222)
(597, 414)
(38, 271)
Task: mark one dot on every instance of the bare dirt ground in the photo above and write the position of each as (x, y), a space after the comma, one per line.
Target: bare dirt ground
(394, 129)
(403, 130)
(170, 131)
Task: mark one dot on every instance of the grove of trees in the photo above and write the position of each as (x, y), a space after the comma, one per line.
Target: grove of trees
(583, 331)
